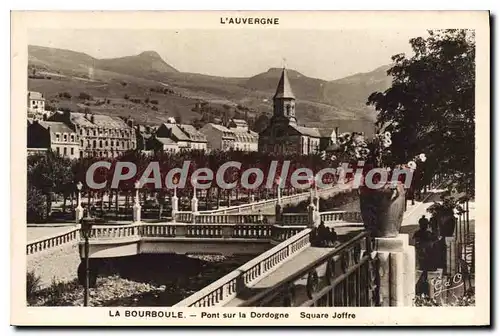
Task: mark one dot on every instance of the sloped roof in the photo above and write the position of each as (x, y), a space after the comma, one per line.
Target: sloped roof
(56, 126)
(284, 90)
(245, 136)
(166, 141)
(109, 121)
(176, 132)
(326, 132)
(310, 131)
(35, 95)
(193, 133)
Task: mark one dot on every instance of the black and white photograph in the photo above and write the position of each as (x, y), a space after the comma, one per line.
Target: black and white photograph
(254, 164)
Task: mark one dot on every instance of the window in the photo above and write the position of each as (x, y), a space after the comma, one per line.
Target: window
(58, 137)
(81, 143)
(72, 151)
(81, 131)
(65, 137)
(81, 153)
(65, 151)
(123, 144)
(57, 150)
(72, 138)
(112, 143)
(106, 143)
(94, 144)
(100, 143)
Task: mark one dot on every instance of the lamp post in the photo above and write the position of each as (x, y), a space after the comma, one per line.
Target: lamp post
(86, 231)
(79, 209)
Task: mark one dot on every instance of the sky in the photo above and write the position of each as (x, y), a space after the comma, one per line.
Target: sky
(324, 54)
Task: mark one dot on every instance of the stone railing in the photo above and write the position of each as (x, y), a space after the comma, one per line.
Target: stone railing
(228, 287)
(46, 243)
(341, 216)
(109, 232)
(282, 232)
(181, 230)
(269, 202)
(204, 218)
(295, 219)
(183, 217)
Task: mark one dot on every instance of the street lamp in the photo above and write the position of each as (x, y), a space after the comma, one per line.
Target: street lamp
(79, 209)
(86, 231)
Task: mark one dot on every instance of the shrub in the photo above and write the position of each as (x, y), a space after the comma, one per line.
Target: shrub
(154, 101)
(32, 286)
(84, 96)
(66, 95)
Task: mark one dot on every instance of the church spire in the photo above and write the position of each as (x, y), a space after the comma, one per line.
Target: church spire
(284, 89)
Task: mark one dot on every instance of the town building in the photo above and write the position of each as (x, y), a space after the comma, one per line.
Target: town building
(162, 144)
(219, 137)
(235, 137)
(36, 105)
(100, 135)
(328, 138)
(245, 139)
(55, 136)
(187, 137)
(283, 134)
(143, 134)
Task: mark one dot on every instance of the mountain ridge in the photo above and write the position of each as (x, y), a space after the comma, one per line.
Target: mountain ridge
(318, 101)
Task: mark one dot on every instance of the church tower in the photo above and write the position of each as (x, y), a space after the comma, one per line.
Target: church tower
(284, 100)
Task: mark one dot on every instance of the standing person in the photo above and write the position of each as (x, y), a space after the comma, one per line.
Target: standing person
(423, 221)
(423, 244)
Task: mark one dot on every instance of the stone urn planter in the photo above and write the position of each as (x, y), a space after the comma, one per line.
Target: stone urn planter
(382, 209)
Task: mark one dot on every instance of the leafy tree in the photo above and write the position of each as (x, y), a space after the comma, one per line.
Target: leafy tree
(49, 174)
(36, 205)
(430, 106)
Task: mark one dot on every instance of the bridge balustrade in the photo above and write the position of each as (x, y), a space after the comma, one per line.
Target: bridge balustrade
(341, 216)
(46, 243)
(295, 219)
(228, 286)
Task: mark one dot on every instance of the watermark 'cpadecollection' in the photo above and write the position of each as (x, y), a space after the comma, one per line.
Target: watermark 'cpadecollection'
(249, 178)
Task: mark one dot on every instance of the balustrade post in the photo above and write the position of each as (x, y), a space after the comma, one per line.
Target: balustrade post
(397, 270)
(175, 204)
(194, 204)
(137, 206)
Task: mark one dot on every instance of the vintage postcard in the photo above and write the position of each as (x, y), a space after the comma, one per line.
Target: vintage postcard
(250, 168)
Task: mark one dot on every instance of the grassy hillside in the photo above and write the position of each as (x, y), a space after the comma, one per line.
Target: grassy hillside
(128, 86)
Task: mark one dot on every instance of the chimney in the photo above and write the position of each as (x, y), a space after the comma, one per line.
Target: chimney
(92, 118)
(130, 122)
